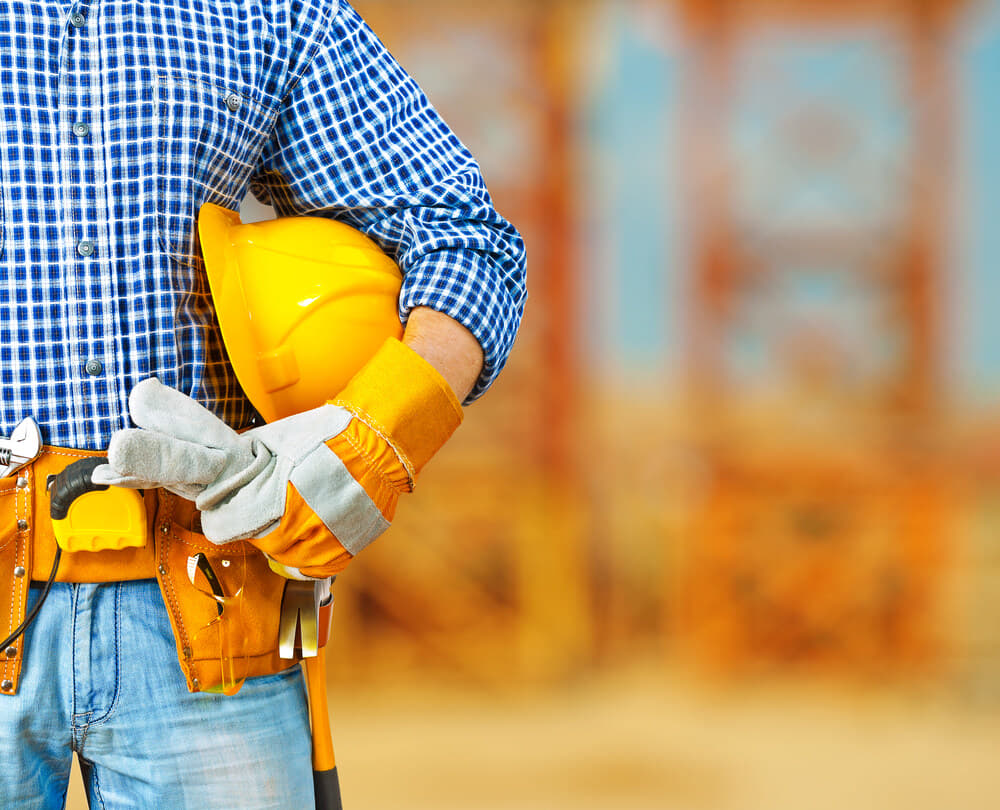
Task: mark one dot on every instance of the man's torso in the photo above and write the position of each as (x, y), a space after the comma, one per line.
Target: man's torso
(119, 120)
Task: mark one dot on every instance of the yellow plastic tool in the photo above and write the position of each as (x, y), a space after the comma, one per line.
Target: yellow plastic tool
(89, 517)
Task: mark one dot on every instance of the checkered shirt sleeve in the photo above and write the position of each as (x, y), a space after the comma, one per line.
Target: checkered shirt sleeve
(357, 140)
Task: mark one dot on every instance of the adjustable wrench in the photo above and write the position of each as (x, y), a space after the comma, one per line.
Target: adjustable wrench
(23, 447)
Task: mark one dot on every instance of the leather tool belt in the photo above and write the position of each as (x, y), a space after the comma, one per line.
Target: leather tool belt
(27, 550)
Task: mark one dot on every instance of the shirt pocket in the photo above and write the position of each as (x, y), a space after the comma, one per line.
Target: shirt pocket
(210, 137)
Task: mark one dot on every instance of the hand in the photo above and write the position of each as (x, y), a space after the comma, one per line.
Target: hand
(310, 490)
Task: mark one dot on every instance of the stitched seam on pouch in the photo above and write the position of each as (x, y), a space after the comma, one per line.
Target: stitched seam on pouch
(168, 577)
(10, 665)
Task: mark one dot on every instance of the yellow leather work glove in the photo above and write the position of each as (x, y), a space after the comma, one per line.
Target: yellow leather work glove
(310, 490)
(403, 412)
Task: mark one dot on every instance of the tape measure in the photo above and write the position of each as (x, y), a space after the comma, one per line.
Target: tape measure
(94, 517)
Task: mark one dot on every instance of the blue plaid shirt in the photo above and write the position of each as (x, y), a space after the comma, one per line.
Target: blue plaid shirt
(121, 117)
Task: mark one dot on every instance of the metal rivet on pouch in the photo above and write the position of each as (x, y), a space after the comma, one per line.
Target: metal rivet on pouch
(11, 651)
(21, 482)
(164, 528)
(22, 525)
(19, 571)
(6, 686)
(163, 570)
(196, 683)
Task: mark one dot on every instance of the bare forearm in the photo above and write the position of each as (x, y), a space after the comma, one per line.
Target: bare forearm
(448, 346)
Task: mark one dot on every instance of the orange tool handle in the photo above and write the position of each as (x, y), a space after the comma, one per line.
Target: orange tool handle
(325, 780)
(322, 754)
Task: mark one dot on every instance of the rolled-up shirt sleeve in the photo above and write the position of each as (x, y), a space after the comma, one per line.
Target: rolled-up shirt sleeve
(357, 140)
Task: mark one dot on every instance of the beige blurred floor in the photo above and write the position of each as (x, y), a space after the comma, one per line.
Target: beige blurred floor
(640, 741)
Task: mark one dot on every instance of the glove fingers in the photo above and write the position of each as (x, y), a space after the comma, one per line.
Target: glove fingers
(162, 460)
(243, 479)
(157, 407)
(105, 475)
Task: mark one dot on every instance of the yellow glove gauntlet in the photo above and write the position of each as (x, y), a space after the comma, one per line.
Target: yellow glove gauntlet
(403, 412)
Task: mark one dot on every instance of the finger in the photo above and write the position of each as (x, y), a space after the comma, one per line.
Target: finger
(155, 406)
(156, 457)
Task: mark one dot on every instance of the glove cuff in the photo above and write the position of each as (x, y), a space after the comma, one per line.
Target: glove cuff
(405, 400)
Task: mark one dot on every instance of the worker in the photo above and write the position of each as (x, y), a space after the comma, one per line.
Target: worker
(122, 120)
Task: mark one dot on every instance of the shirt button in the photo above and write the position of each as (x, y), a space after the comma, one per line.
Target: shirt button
(233, 101)
(77, 20)
(80, 129)
(94, 367)
(85, 248)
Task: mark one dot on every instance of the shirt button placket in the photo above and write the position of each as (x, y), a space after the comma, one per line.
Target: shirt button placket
(80, 148)
(81, 129)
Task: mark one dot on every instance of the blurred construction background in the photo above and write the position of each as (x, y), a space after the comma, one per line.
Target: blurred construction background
(726, 533)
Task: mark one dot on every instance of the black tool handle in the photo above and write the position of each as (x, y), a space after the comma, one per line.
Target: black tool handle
(71, 483)
(327, 786)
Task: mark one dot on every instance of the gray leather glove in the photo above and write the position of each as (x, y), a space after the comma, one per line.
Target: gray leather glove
(239, 481)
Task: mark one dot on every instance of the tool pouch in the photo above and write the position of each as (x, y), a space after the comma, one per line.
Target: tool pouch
(251, 627)
(27, 551)
(218, 639)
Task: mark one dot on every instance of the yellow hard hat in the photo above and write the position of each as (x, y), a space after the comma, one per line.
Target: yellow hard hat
(302, 302)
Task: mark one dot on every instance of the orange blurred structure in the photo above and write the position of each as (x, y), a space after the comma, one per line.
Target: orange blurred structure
(823, 537)
(487, 574)
(813, 522)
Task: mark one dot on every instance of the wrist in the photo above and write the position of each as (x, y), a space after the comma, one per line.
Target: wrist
(447, 345)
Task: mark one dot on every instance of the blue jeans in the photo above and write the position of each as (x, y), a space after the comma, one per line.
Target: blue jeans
(101, 678)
